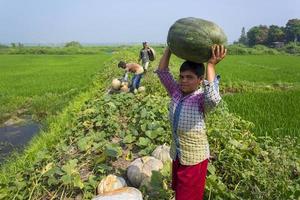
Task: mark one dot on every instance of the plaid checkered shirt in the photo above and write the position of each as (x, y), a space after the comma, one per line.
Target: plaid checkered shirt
(186, 113)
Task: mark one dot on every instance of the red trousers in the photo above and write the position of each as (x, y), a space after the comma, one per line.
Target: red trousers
(188, 181)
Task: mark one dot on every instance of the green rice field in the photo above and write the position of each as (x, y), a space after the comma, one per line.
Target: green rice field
(267, 91)
(43, 84)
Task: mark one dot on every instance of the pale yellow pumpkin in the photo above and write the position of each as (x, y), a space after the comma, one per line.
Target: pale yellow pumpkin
(116, 84)
(141, 89)
(162, 153)
(124, 88)
(124, 83)
(126, 193)
(141, 168)
(110, 183)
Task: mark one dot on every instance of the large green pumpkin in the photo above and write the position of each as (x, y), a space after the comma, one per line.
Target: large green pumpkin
(191, 38)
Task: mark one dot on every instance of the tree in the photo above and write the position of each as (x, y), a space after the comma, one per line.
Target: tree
(243, 39)
(73, 44)
(292, 30)
(2, 46)
(20, 45)
(275, 34)
(258, 35)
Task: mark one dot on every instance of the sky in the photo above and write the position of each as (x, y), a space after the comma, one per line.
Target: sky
(131, 21)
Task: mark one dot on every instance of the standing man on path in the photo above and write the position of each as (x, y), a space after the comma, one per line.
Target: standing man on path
(144, 56)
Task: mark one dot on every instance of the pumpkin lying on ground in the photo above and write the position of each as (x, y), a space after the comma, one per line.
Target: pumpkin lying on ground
(191, 38)
(162, 153)
(141, 89)
(126, 193)
(116, 84)
(141, 168)
(110, 183)
(124, 88)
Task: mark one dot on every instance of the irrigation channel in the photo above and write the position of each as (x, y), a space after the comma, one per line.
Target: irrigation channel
(15, 134)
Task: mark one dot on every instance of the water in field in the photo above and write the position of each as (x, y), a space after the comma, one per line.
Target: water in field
(15, 137)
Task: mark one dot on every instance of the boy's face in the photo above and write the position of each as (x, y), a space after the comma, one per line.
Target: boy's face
(189, 81)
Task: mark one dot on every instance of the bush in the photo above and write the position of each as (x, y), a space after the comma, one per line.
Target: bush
(292, 48)
(239, 49)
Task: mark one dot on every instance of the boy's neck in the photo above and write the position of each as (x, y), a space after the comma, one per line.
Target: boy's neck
(187, 93)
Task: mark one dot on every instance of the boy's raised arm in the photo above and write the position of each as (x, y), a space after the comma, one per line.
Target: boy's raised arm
(218, 53)
(164, 75)
(211, 95)
(164, 61)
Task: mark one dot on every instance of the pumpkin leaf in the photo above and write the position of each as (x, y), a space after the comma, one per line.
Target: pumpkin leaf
(143, 141)
(101, 158)
(129, 139)
(70, 167)
(152, 134)
(66, 179)
(113, 150)
(77, 182)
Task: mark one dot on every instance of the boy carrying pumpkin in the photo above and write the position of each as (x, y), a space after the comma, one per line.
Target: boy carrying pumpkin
(144, 56)
(190, 148)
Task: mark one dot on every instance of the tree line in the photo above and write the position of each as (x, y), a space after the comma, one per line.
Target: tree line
(271, 35)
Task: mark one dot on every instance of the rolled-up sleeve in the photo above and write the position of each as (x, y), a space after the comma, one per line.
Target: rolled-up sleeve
(211, 95)
(168, 81)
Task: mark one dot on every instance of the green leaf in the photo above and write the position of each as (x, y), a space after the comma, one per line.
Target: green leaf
(84, 144)
(143, 141)
(100, 159)
(144, 127)
(129, 139)
(143, 113)
(66, 179)
(113, 150)
(70, 167)
(92, 181)
(153, 125)
(151, 134)
(77, 182)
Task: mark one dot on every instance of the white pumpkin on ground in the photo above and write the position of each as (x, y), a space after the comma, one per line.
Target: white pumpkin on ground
(124, 88)
(142, 89)
(110, 183)
(116, 84)
(141, 168)
(125, 193)
(124, 83)
(162, 153)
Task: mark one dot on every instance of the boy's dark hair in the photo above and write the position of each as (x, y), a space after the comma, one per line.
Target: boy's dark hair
(122, 64)
(196, 68)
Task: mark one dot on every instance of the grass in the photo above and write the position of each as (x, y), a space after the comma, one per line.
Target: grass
(266, 69)
(44, 84)
(273, 113)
